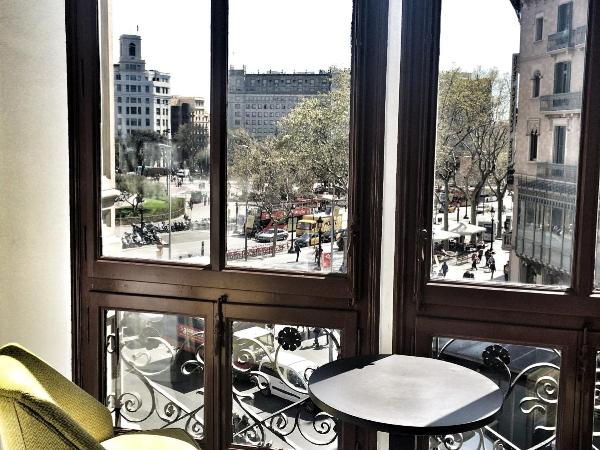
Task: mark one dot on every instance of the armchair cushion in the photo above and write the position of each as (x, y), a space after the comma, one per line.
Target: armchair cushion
(88, 412)
(168, 438)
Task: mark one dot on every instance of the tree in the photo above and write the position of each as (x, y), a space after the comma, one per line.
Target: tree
(135, 189)
(138, 139)
(317, 133)
(498, 184)
(192, 141)
(474, 127)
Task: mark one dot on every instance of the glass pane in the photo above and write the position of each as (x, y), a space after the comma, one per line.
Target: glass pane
(155, 122)
(494, 95)
(271, 366)
(529, 379)
(155, 371)
(288, 121)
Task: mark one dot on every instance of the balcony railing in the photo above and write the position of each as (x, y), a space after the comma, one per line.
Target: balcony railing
(561, 102)
(559, 172)
(567, 39)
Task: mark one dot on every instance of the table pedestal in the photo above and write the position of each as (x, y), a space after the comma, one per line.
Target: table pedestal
(402, 442)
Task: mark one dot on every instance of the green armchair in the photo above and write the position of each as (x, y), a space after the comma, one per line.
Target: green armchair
(41, 409)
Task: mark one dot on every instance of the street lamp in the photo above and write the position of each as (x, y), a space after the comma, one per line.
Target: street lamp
(320, 250)
(292, 218)
(492, 212)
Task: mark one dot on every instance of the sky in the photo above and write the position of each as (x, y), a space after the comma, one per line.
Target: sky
(292, 35)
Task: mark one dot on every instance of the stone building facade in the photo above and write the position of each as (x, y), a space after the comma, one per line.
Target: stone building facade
(257, 101)
(546, 139)
(141, 97)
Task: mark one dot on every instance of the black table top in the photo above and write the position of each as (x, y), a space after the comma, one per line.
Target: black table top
(405, 394)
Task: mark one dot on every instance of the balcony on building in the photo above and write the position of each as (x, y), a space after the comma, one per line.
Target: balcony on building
(568, 102)
(556, 172)
(567, 39)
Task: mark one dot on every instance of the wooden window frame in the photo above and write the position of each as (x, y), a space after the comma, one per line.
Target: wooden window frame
(99, 282)
(538, 313)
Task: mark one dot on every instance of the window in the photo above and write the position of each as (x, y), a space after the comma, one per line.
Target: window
(158, 111)
(537, 78)
(118, 110)
(147, 110)
(533, 145)
(132, 49)
(118, 87)
(560, 138)
(147, 122)
(562, 77)
(565, 13)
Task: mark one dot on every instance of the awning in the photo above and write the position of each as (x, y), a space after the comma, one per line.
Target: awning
(443, 235)
(465, 229)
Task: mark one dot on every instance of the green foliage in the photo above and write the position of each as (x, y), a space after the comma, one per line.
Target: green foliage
(139, 185)
(152, 207)
(311, 146)
(191, 142)
(473, 130)
(137, 140)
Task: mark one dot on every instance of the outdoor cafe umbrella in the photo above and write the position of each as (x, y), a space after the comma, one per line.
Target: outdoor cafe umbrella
(466, 229)
(443, 235)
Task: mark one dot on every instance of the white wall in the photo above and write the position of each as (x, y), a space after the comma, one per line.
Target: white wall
(35, 293)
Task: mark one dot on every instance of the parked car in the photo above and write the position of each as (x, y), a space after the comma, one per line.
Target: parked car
(267, 236)
(294, 369)
(249, 347)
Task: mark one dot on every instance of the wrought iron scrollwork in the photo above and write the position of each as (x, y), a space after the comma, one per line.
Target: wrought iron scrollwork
(151, 400)
(543, 376)
(299, 419)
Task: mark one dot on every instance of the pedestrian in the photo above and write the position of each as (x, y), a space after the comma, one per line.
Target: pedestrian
(297, 250)
(474, 261)
(191, 203)
(480, 254)
(444, 269)
(317, 332)
(492, 266)
(505, 272)
(488, 253)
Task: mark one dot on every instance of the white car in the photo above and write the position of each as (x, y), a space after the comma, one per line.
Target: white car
(267, 236)
(294, 369)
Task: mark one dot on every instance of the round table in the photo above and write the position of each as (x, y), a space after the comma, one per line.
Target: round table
(405, 396)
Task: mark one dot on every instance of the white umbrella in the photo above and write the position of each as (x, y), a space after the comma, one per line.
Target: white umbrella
(443, 235)
(466, 229)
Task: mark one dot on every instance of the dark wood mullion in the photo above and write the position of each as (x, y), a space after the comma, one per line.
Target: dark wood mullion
(218, 132)
(83, 74)
(589, 164)
(367, 159)
(587, 380)
(416, 139)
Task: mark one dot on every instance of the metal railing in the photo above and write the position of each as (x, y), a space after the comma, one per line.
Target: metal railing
(558, 172)
(561, 102)
(567, 39)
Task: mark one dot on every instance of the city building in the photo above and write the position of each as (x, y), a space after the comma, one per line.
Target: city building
(257, 101)
(142, 97)
(187, 110)
(546, 140)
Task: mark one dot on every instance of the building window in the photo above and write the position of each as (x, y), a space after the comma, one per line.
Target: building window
(118, 87)
(562, 77)
(533, 146)
(158, 111)
(539, 28)
(158, 122)
(560, 139)
(147, 110)
(132, 49)
(565, 13)
(537, 77)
